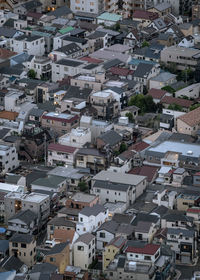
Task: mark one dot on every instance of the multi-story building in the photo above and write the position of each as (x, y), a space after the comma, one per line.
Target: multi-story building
(94, 82)
(60, 123)
(184, 58)
(84, 250)
(80, 200)
(189, 123)
(37, 203)
(33, 45)
(87, 6)
(78, 137)
(41, 65)
(8, 158)
(23, 246)
(61, 154)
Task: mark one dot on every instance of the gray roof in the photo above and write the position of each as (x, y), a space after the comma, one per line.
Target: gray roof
(111, 186)
(59, 12)
(89, 151)
(12, 179)
(15, 70)
(173, 216)
(93, 211)
(122, 218)
(85, 238)
(27, 38)
(145, 218)
(3, 132)
(61, 221)
(110, 226)
(142, 70)
(67, 62)
(51, 181)
(97, 34)
(142, 226)
(21, 238)
(111, 63)
(69, 49)
(163, 77)
(31, 5)
(27, 216)
(44, 267)
(74, 39)
(111, 138)
(184, 232)
(11, 263)
(58, 248)
(36, 112)
(4, 246)
(7, 32)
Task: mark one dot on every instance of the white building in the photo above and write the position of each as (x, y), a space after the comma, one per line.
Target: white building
(78, 137)
(61, 154)
(33, 45)
(41, 65)
(191, 91)
(87, 6)
(84, 250)
(8, 159)
(165, 198)
(90, 218)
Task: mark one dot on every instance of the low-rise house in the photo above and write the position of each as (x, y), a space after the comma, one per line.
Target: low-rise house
(84, 250)
(110, 139)
(183, 243)
(194, 212)
(196, 179)
(23, 246)
(176, 219)
(189, 123)
(71, 50)
(162, 80)
(61, 154)
(144, 17)
(23, 222)
(165, 198)
(59, 256)
(60, 123)
(178, 176)
(191, 91)
(157, 94)
(166, 121)
(33, 45)
(90, 218)
(94, 82)
(183, 103)
(49, 183)
(113, 187)
(9, 158)
(41, 65)
(59, 223)
(185, 201)
(109, 19)
(187, 42)
(78, 137)
(29, 6)
(80, 200)
(144, 72)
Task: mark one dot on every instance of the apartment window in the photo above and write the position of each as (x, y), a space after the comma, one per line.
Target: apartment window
(147, 258)
(23, 245)
(102, 234)
(80, 248)
(52, 259)
(14, 244)
(24, 254)
(81, 219)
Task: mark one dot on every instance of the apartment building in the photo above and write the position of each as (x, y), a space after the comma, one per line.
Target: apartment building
(32, 45)
(37, 203)
(41, 65)
(87, 6)
(60, 123)
(8, 159)
(80, 200)
(94, 82)
(184, 58)
(78, 137)
(61, 154)
(23, 246)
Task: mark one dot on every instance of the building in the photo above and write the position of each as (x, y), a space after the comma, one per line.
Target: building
(192, 91)
(59, 223)
(60, 123)
(78, 137)
(113, 187)
(80, 200)
(185, 201)
(90, 218)
(23, 246)
(183, 57)
(59, 256)
(41, 65)
(61, 154)
(108, 19)
(86, 6)
(38, 203)
(8, 158)
(94, 82)
(189, 123)
(162, 80)
(33, 45)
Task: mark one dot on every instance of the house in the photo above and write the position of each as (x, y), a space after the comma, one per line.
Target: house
(196, 179)
(23, 222)
(166, 39)
(94, 82)
(71, 50)
(9, 158)
(60, 123)
(61, 154)
(113, 187)
(58, 223)
(183, 243)
(41, 65)
(144, 72)
(38, 203)
(23, 246)
(162, 9)
(176, 219)
(112, 249)
(33, 45)
(80, 200)
(4, 245)
(192, 91)
(170, 100)
(78, 137)
(29, 6)
(109, 19)
(144, 17)
(91, 158)
(166, 121)
(50, 183)
(165, 198)
(90, 218)
(84, 250)
(178, 176)
(162, 80)
(157, 94)
(185, 201)
(194, 212)
(110, 139)
(11, 265)
(59, 256)
(189, 123)
(72, 272)
(150, 172)
(187, 42)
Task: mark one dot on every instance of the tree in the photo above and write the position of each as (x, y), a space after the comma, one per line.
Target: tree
(122, 148)
(130, 117)
(193, 107)
(145, 44)
(32, 74)
(83, 186)
(117, 26)
(168, 89)
(175, 107)
(144, 102)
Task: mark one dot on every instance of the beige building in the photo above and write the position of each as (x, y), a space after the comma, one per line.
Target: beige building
(94, 82)
(23, 246)
(189, 123)
(185, 201)
(183, 57)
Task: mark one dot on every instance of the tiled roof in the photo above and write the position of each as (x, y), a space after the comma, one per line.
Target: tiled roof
(91, 60)
(192, 118)
(145, 15)
(179, 101)
(138, 147)
(61, 148)
(146, 170)
(62, 235)
(8, 115)
(85, 238)
(149, 249)
(120, 71)
(157, 93)
(6, 53)
(193, 210)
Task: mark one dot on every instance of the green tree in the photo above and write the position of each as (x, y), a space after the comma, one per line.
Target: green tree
(193, 107)
(168, 89)
(145, 44)
(83, 186)
(130, 117)
(175, 107)
(32, 74)
(144, 102)
(122, 148)
(117, 26)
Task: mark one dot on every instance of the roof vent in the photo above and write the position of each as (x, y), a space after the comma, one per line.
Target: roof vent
(189, 152)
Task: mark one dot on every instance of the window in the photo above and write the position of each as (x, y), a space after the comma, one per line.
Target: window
(14, 244)
(147, 258)
(52, 259)
(102, 234)
(80, 248)
(23, 245)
